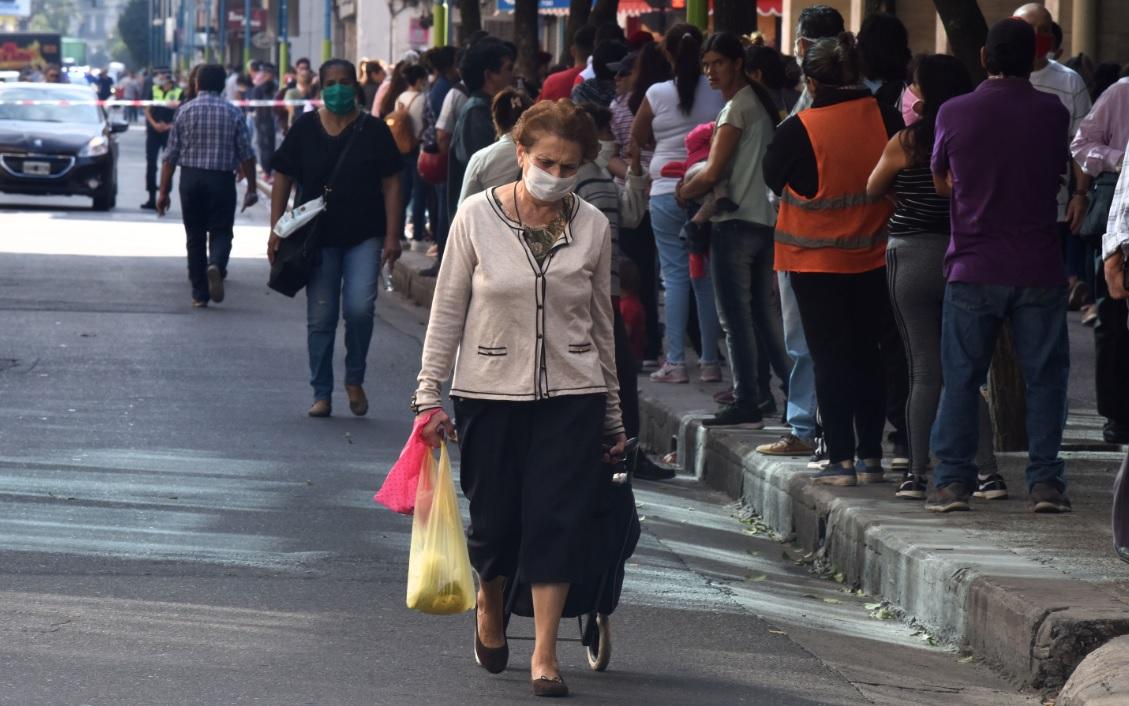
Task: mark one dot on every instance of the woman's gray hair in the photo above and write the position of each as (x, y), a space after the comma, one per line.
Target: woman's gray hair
(833, 61)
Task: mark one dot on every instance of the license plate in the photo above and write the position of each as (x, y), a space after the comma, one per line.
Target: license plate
(37, 168)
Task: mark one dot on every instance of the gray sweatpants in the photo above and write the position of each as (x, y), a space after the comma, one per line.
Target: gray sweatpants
(917, 292)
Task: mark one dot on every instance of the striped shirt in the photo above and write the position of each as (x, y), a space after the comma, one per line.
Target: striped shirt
(919, 209)
(209, 133)
(595, 185)
(622, 119)
(1117, 228)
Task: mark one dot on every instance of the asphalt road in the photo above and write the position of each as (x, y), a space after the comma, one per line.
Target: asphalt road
(175, 530)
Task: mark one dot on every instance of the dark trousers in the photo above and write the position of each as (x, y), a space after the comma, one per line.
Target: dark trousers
(844, 318)
(421, 200)
(154, 143)
(264, 138)
(531, 471)
(638, 244)
(207, 202)
(1111, 364)
(628, 379)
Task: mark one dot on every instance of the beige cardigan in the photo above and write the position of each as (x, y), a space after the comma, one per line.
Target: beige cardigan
(516, 331)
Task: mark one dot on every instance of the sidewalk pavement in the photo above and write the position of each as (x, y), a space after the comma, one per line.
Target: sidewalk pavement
(1033, 595)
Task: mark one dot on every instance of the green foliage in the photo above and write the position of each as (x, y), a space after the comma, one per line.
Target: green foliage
(133, 29)
(54, 16)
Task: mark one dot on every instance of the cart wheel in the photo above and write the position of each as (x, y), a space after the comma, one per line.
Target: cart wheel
(600, 653)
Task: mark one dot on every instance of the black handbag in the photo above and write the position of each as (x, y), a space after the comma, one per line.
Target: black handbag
(299, 254)
(1097, 213)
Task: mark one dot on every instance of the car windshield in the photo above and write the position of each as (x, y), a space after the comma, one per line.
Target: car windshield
(47, 106)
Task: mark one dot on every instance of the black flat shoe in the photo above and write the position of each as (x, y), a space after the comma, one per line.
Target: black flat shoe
(492, 659)
(544, 686)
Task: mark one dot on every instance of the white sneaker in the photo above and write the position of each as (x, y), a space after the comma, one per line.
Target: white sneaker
(672, 373)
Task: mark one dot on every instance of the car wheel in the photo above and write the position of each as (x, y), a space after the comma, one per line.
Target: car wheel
(104, 200)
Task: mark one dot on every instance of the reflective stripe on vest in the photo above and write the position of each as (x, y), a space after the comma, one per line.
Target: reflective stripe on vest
(840, 229)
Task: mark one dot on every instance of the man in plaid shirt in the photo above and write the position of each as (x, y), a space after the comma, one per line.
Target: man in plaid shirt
(209, 142)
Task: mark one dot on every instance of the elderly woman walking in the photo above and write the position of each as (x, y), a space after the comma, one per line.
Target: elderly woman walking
(523, 314)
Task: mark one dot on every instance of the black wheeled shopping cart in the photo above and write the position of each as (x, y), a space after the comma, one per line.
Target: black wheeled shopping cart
(615, 534)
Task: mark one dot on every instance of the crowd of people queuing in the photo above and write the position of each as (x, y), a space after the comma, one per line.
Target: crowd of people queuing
(849, 238)
(853, 222)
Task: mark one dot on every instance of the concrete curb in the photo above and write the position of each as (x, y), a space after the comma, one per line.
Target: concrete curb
(407, 280)
(937, 574)
(1102, 679)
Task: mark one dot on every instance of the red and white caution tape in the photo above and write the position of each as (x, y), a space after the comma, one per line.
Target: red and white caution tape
(161, 104)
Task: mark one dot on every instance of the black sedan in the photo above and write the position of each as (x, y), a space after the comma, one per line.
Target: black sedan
(54, 141)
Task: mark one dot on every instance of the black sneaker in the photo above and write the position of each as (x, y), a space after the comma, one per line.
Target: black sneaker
(215, 283)
(149, 205)
(1047, 498)
(646, 469)
(912, 487)
(734, 416)
(991, 488)
(953, 496)
(1115, 433)
(819, 460)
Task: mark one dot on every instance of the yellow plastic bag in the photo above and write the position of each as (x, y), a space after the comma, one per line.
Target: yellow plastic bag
(439, 579)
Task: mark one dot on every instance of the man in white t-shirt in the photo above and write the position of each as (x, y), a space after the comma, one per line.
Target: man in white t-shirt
(1052, 77)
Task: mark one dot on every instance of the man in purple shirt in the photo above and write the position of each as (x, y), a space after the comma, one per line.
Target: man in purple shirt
(999, 153)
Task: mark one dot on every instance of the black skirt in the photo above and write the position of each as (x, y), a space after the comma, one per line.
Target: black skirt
(531, 471)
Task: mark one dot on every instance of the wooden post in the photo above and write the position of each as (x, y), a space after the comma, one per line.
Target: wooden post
(1007, 395)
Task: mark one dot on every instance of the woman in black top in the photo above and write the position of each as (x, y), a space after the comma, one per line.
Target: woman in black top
(919, 237)
(362, 217)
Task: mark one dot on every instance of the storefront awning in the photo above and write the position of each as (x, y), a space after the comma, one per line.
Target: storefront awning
(559, 8)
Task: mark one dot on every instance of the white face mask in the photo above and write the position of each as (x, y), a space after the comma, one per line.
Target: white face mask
(607, 151)
(543, 186)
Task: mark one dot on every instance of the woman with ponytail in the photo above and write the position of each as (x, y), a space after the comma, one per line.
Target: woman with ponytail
(919, 237)
(667, 114)
(831, 238)
(741, 239)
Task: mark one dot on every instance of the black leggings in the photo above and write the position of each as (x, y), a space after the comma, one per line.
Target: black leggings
(531, 471)
(844, 316)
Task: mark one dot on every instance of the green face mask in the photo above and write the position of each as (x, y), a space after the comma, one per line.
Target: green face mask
(340, 98)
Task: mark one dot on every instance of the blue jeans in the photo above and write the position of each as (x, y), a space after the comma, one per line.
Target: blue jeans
(802, 405)
(741, 264)
(667, 219)
(971, 321)
(355, 273)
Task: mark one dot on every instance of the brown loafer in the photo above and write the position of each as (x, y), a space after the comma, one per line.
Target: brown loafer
(551, 687)
(492, 659)
(358, 402)
(320, 408)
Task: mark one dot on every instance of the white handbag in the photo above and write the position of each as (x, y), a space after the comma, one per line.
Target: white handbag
(633, 200)
(295, 218)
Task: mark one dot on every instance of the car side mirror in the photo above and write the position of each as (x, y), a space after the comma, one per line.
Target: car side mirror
(116, 127)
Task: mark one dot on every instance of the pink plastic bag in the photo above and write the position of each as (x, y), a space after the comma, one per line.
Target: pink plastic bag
(398, 493)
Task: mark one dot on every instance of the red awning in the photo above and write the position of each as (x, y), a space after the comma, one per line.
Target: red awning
(773, 8)
(634, 8)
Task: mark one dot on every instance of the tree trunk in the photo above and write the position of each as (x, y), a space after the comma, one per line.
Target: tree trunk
(578, 13)
(736, 16)
(604, 11)
(967, 30)
(470, 20)
(1007, 395)
(525, 36)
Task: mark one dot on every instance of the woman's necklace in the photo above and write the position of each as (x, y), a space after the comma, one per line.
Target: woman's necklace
(540, 239)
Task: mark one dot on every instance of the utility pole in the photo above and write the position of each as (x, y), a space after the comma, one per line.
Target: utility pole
(283, 37)
(327, 37)
(152, 50)
(221, 18)
(246, 33)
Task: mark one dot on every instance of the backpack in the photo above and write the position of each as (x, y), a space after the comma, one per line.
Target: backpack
(399, 122)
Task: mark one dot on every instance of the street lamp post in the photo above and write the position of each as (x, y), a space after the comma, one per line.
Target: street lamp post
(327, 37)
(283, 37)
(246, 33)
